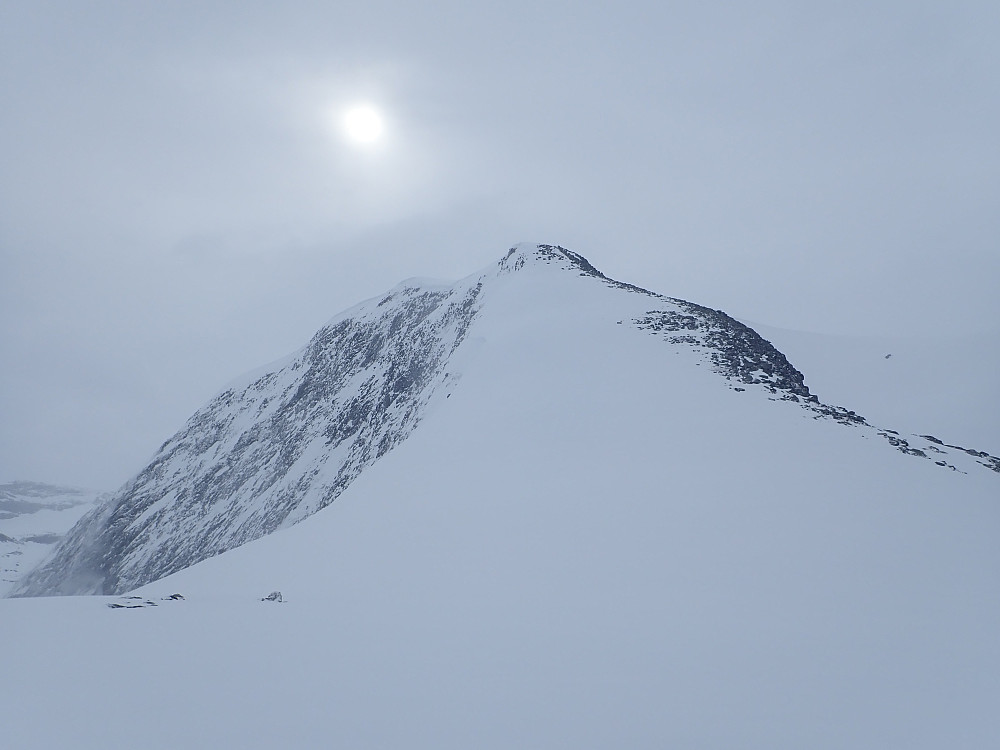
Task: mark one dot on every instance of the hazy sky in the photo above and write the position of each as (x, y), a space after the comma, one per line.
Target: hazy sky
(178, 203)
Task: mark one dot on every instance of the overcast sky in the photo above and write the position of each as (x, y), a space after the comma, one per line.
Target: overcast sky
(178, 203)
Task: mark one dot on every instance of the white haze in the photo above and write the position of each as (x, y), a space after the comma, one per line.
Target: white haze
(176, 204)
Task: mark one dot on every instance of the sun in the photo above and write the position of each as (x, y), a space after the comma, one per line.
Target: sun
(363, 124)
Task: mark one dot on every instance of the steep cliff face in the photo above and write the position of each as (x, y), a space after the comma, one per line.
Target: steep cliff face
(270, 451)
(279, 446)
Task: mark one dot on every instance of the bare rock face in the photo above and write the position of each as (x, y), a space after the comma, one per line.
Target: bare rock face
(269, 452)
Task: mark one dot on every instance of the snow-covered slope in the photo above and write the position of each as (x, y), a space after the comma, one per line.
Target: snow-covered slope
(944, 386)
(278, 446)
(33, 518)
(605, 533)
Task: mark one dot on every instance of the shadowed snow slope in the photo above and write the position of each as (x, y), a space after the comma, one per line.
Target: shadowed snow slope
(623, 521)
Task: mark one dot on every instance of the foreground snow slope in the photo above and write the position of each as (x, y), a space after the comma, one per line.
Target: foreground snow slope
(590, 542)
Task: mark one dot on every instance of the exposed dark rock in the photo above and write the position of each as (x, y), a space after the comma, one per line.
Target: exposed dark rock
(132, 602)
(736, 351)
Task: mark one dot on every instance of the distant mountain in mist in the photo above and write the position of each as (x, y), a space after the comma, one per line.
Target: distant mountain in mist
(33, 518)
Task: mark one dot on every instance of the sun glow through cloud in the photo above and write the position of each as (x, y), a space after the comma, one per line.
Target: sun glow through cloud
(363, 124)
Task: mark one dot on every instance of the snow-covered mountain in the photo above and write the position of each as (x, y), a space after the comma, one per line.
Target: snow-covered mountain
(569, 513)
(282, 444)
(33, 518)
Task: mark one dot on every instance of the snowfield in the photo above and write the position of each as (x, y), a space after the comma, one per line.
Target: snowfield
(592, 538)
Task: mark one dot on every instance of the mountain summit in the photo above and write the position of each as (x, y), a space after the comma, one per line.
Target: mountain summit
(588, 365)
